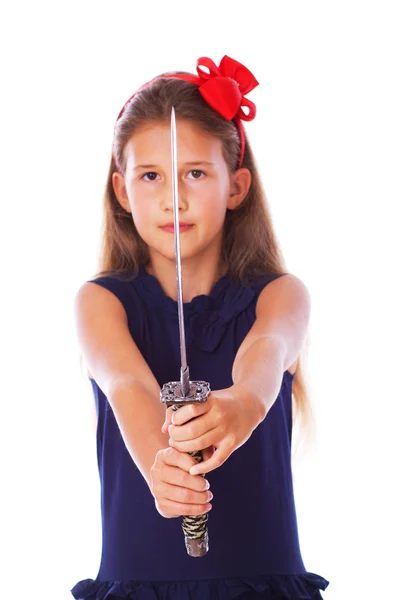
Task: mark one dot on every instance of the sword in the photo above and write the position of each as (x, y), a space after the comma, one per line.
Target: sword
(180, 393)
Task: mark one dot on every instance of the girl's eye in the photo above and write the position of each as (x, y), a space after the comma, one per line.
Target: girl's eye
(197, 174)
(151, 176)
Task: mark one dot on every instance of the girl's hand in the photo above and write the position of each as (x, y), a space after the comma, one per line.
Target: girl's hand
(175, 491)
(225, 421)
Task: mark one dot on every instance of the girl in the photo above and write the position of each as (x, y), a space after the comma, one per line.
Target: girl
(246, 321)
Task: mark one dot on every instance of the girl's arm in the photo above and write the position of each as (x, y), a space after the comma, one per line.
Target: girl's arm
(273, 344)
(119, 369)
(275, 340)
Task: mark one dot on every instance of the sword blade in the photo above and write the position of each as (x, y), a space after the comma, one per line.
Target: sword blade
(185, 384)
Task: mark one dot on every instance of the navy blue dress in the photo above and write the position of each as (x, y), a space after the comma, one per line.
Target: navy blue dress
(254, 547)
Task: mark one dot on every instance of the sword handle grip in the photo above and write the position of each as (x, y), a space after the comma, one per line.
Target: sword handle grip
(195, 526)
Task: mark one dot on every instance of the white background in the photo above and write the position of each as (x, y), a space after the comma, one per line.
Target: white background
(327, 140)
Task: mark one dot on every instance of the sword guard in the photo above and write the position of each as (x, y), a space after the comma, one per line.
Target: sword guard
(171, 393)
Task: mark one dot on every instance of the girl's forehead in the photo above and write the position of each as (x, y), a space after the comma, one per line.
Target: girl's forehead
(155, 139)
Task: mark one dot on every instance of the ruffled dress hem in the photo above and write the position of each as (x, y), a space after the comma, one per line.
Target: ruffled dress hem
(302, 586)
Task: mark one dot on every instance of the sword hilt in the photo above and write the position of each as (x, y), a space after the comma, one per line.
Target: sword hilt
(172, 394)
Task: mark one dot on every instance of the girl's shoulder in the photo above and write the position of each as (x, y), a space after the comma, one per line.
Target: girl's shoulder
(122, 284)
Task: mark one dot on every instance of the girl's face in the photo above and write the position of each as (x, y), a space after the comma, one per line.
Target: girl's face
(206, 189)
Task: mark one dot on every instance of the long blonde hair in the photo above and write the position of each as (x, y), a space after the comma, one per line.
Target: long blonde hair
(250, 247)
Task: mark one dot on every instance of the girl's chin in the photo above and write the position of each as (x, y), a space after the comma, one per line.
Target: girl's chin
(159, 254)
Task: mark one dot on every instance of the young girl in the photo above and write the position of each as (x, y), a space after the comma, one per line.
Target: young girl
(245, 320)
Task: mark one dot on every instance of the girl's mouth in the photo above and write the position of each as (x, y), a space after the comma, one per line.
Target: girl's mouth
(182, 227)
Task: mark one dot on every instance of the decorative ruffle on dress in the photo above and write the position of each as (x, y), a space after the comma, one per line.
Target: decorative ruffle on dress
(254, 547)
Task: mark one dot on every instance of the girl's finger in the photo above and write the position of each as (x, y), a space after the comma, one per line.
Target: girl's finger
(183, 495)
(191, 430)
(191, 411)
(183, 415)
(208, 452)
(177, 509)
(204, 441)
(216, 460)
(168, 419)
(174, 458)
(177, 477)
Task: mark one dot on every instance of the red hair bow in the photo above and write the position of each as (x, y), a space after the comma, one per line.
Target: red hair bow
(223, 88)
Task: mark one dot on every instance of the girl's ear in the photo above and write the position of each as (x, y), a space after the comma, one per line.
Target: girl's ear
(240, 185)
(118, 183)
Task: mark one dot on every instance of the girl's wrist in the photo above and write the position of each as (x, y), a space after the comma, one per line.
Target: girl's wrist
(251, 400)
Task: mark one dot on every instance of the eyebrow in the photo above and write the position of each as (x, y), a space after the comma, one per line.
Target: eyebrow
(192, 163)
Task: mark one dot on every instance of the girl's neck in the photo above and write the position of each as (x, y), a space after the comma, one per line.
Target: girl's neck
(196, 279)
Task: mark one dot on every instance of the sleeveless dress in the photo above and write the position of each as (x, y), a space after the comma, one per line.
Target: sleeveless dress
(254, 546)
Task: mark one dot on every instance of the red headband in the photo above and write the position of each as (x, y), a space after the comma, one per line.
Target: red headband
(223, 88)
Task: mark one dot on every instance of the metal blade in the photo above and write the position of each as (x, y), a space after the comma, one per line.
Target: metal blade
(185, 384)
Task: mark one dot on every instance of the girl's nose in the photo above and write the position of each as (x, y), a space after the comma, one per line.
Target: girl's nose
(167, 202)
